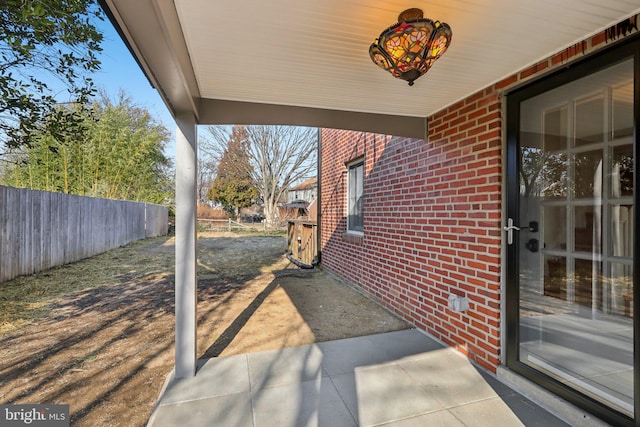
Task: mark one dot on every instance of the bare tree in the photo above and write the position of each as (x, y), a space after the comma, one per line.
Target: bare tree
(208, 159)
(279, 157)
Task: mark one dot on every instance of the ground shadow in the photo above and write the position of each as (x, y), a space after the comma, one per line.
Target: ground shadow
(230, 333)
(527, 411)
(106, 350)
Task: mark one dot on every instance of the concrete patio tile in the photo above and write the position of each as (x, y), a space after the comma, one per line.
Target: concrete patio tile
(285, 366)
(218, 376)
(229, 410)
(384, 393)
(438, 418)
(487, 413)
(531, 414)
(499, 387)
(346, 386)
(404, 344)
(344, 356)
(313, 403)
(510, 411)
(451, 378)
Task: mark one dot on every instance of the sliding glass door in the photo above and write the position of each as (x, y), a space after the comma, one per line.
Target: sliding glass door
(571, 216)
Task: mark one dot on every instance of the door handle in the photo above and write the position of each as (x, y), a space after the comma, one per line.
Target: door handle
(509, 229)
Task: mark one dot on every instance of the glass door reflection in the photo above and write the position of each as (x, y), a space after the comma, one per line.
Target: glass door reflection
(576, 268)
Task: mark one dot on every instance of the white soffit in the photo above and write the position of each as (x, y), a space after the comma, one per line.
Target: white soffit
(314, 53)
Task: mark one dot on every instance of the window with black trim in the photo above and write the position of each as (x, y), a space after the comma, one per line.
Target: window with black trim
(355, 197)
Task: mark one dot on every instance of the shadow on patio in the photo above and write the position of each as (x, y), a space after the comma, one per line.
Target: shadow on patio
(400, 378)
(361, 366)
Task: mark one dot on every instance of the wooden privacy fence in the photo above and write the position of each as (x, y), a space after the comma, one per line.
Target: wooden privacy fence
(40, 230)
(302, 247)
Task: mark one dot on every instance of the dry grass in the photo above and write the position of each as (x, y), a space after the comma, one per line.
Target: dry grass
(24, 299)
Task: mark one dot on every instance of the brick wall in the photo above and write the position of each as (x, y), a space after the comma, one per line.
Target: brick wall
(433, 212)
(432, 222)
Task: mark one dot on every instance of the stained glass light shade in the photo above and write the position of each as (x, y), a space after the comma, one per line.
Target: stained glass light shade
(409, 48)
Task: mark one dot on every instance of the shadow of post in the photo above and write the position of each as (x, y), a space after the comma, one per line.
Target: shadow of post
(239, 322)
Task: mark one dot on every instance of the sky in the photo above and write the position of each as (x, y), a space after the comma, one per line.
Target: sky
(119, 71)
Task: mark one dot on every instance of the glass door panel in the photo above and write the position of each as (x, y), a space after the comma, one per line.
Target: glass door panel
(576, 257)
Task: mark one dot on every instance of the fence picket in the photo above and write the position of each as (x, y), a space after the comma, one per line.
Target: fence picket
(40, 230)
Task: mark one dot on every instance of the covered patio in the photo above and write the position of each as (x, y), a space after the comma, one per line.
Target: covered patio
(307, 64)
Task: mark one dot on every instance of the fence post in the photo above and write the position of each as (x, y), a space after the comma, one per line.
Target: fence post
(229, 225)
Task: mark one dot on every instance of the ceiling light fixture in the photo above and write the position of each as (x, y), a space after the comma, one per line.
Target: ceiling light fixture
(409, 48)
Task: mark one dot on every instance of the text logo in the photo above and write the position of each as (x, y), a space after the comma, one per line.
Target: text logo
(34, 415)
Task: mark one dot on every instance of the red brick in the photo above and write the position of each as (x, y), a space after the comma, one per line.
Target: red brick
(473, 98)
(489, 117)
(598, 39)
(488, 100)
(557, 59)
(506, 82)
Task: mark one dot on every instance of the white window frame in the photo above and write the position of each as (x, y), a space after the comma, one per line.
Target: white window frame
(355, 194)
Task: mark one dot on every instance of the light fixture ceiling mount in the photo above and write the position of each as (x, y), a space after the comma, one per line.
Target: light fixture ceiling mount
(409, 48)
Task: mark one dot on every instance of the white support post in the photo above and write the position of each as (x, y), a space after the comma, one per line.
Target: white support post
(186, 280)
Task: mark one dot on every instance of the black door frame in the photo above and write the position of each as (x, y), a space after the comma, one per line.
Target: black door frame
(588, 65)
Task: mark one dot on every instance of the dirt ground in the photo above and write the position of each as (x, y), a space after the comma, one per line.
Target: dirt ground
(98, 334)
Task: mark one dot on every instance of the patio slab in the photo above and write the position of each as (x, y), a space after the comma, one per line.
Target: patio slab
(399, 378)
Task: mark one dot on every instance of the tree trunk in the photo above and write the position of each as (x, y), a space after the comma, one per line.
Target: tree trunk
(270, 212)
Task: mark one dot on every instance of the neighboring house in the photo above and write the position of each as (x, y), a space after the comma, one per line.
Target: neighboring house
(548, 150)
(306, 190)
(300, 199)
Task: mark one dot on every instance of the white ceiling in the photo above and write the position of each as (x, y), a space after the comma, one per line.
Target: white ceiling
(314, 53)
